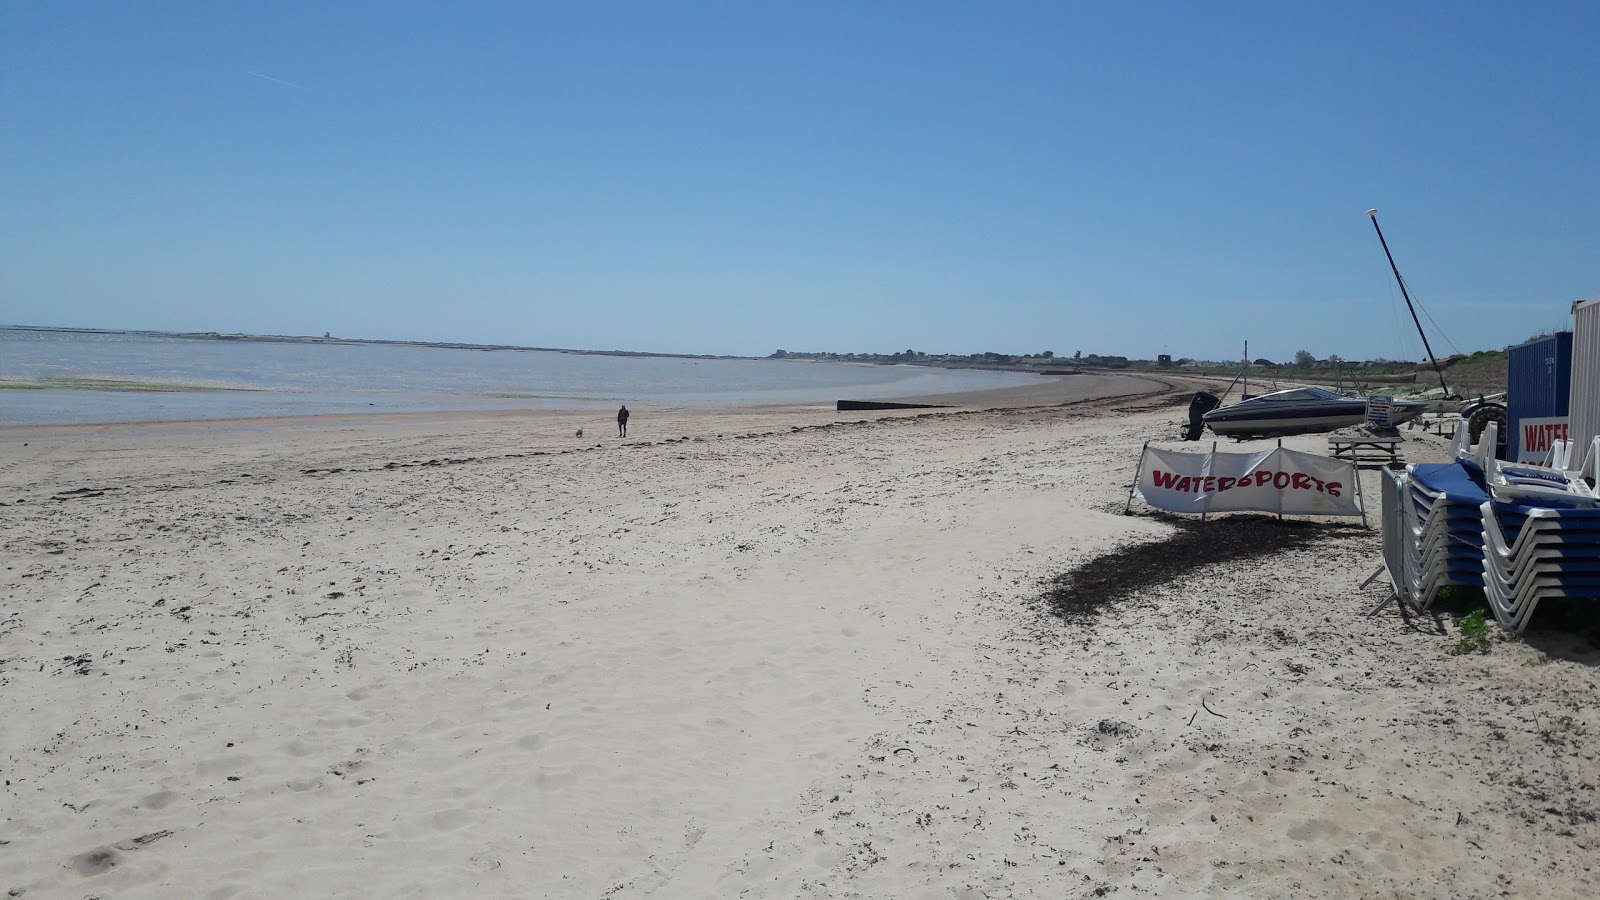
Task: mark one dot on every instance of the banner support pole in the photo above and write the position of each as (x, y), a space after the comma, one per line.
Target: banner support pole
(1355, 473)
(1137, 471)
(1280, 496)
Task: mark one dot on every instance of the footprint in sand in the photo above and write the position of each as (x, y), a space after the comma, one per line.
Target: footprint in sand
(362, 693)
(95, 862)
(158, 800)
(1314, 830)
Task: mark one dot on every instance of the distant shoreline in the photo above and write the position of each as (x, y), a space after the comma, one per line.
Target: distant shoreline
(867, 360)
(329, 339)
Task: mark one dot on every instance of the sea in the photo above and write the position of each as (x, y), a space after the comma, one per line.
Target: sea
(75, 377)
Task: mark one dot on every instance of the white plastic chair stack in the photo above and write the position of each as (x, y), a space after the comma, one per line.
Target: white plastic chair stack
(1559, 456)
(1527, 483)
(1461, 446)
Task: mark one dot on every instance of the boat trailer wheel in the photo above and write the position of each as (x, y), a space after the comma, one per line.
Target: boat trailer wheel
(1482, 416)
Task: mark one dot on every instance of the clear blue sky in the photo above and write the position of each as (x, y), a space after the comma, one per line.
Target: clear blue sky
(1116, 178)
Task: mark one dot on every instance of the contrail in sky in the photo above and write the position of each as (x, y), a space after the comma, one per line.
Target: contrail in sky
(277, 80)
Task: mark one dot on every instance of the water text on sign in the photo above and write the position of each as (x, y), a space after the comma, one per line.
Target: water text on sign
(1536, 434)
(1209, 484)
(1538, 437)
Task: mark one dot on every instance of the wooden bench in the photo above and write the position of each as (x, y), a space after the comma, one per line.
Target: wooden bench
(1367, 451)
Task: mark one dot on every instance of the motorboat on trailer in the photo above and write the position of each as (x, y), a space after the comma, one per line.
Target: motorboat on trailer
(1299, 411)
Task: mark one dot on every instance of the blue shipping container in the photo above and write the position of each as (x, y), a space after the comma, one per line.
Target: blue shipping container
(1538, 377)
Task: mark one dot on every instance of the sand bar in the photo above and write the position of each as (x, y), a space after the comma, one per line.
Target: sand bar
(770, 653)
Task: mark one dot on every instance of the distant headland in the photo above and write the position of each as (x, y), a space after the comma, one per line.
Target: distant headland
(328, 338)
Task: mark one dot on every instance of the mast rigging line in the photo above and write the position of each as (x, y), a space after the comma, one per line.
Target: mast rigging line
(1438, 329)
(1439, 370)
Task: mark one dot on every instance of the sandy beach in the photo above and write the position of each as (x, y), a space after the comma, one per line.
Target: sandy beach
(781, 652)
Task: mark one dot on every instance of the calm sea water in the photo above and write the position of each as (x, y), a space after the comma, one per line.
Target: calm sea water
(256, 378)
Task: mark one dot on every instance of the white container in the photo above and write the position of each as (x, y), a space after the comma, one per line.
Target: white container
(1583, 408)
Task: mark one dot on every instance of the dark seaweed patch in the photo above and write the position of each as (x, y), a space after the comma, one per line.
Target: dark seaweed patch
(1128, 571)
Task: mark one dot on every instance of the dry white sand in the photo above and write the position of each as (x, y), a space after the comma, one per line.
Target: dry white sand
(773, 653)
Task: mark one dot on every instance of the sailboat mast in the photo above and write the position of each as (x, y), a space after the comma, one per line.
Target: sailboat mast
(1246, 391)
(1373, 215)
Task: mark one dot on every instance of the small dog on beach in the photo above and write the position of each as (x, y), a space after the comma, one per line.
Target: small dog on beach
(580, 433)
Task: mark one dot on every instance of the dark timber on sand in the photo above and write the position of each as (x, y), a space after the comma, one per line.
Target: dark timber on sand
(848, 405)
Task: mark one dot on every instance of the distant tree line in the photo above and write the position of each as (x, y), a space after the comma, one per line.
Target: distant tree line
(1303, 359)
(986, 358)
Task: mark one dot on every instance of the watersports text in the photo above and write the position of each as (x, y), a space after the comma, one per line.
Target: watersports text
(1210, 484)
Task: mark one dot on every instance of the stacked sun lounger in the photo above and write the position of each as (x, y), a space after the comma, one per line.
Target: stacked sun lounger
(1440, 534)
(1533, 553)
(1523, 533)
(1541, 533)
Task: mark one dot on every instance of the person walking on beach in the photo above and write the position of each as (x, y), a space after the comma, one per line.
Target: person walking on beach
(622, 422)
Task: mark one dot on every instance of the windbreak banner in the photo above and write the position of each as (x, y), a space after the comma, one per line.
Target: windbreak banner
(1272, 481)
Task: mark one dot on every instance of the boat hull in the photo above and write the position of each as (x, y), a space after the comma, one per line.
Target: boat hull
(1260, 419)
(1304, 424)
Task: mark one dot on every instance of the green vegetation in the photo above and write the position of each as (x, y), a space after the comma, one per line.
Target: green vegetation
(1474, 634)
(102, 384)
(1471, 611)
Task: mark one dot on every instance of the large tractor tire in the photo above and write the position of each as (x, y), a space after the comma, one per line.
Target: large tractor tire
(1482, 416)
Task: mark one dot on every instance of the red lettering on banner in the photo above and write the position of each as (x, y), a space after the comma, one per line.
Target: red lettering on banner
(1299, 481)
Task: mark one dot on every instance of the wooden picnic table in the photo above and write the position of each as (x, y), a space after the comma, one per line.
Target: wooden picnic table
(1367, 450)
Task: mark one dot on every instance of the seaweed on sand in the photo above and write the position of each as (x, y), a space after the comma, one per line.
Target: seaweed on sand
(1084, 592)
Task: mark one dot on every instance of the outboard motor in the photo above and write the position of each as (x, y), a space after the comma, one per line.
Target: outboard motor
(1198, 407)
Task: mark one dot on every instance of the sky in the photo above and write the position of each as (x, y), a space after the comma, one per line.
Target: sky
(1127, 178)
